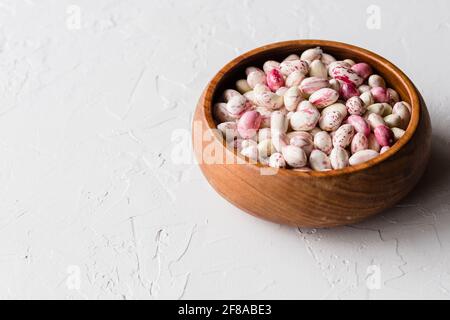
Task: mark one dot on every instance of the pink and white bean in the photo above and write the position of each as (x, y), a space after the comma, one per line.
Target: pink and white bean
(305, 119)
(339, 158)
(355, 106)
(348, 90)
(248, 124)
(384, 135)
(287, 67)
(294, 156)
(364, 70)
(343, 136)
(275, 80)
(323, 142)
(295, 79)
(312, 84)
(359, 142)
(331, 121)
(324, 97)
(319, 161)
(311, 55)
(363, 156)
(270, 65)
(347, 75)
(276, 160)
(318, 69)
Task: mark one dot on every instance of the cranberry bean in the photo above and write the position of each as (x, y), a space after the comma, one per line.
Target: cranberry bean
(363, 156)
(324, 97)
(248, 124)
(323, 142)
(310, 85)
(360, 124)
(384, 135)
(319, 161)
(287, 67)
(363, 70)
(355, 106)
(359, 142)
(348, 90)
(274, 80)
(343, 136)
(380, 94)
(339, 158)
(305, 119)
(294, 156)
(276, 160)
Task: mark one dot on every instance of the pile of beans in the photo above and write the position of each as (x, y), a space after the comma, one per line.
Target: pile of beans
(311, 112)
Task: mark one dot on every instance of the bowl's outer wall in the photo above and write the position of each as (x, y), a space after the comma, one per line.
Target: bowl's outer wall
(308, 201)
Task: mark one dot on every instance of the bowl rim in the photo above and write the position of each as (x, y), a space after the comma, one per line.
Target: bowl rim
(207, 105)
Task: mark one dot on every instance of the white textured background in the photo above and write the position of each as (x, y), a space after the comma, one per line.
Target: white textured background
(91, 205)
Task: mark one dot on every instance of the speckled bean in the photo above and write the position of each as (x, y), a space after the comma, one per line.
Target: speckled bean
(327, 59)
(256, 77)
(312, 54)
(393, 120)
(367, 98)
(305, 119)
(242, 86)
(373, 143)
(364, 88)
(270, 65)
(363, 156)
(250, 152)
(318, 69)
(398, 133)
(302, 140)
(377, 108)
(359, 142)
(376, 80)
(380, 94)
(265, 148)
(348, 90)
(343, 136)
(275, 80)
(335, 84)
(294, 156)
(324, 97)
(355, 106)
(359, 123)
(292, 98)
(295, 78)
(339, 158)
(402, 109)
(363, 70)
(331, 121)
(323, 142)
(221, 113)
(375, 120)
(276, 160)
(287, 67)
(312, 84)
(346, 75)
(228, 129)
(268, 99)
(384, 135)
(319, 161)
(248, 124)
(236, 105)
(384, 150)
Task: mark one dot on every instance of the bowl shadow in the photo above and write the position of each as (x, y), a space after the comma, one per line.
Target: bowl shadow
(428, 197)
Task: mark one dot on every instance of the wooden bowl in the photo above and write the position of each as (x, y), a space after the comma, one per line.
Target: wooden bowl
(314, 199)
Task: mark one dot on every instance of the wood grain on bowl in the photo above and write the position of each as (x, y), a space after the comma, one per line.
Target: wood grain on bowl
(317, 199)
